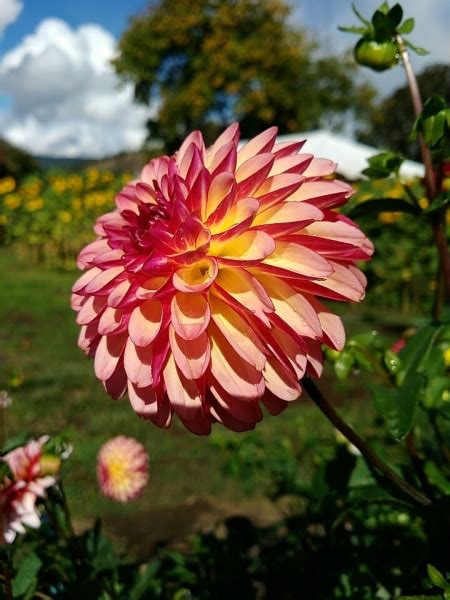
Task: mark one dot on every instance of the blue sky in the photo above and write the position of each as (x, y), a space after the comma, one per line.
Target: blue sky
(60, 96)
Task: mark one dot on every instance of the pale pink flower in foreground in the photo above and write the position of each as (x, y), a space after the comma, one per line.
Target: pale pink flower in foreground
(18, 496)
(122, 468)
(200, 295)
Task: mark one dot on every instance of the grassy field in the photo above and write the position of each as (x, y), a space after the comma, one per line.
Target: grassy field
(56, 391)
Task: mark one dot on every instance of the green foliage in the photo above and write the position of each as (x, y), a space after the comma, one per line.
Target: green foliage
(389, 123)
(204, 64)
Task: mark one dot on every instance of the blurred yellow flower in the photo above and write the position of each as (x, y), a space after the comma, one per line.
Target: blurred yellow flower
(388, 217)
(33, 205)
(447, 357)
(64, 216)
(12, 201)
(7, 184)
(424, 202)
(3, 219)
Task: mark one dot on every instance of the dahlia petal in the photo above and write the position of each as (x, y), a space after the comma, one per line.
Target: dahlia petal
(281, 149)
(287, 213)
(296, 355)
(237, 221)
(198, 277)
(224, 161)
(339, 231)
(199, 191)
(252, 173)
(190, 314)
(222, 189)
(138, 364)
(238, 377)
(323, 194)
(111, 321)
(242, 410)
(143, 400)
(145, 322)
(315, 358)
(195, 138)
(81, 283)
(344, 281)
(116, 384)
(331, 324)
(118, 293)
(108, 354)
(103, 279)
(280, 381)
(249, 247)
(191, 163)
(149, 287)
(320, 167)
(297, 259)
(292, 307)
(90, 310)
(237, 332)
(127, 199)
(224, 417)
(90, 252)
(247, 291)
(263, 142)
(88, 338)
(191, 356)
(229, 136)
(185, 397)
(273, 404)
(279, 188)
(297, 163)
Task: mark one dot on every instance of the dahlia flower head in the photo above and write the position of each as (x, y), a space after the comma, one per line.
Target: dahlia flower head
(122, 468)
(18, 496)
(200, 296)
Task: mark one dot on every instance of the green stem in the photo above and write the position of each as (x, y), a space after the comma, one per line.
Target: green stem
(432, 186)
(332, 415)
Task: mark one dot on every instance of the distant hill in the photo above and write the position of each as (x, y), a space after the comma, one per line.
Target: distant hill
(15, 162)
(125, 161)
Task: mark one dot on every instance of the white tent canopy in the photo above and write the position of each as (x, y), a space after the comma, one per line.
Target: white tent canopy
(350, 156)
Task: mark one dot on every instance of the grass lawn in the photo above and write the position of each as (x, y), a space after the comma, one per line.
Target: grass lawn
(57, 391)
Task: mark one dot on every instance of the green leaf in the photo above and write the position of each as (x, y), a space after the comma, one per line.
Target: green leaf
(407, 26)
(383, 164)
(417, 49)
(26, 576)
(395, 16)
(437, 578)
(360, 17)
(398, 406)
(343, 364)
(440, 201)
(436, 478)
(416, 350)
(378, 205)
(352, 29)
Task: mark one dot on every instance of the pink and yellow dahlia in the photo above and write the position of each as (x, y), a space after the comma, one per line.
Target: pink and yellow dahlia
(19, 494)
(122, 468)
(200, 294)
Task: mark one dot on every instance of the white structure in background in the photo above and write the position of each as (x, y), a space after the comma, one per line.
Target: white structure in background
(350, 156)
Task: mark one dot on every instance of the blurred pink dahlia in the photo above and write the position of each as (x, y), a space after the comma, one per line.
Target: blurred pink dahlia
(18, 495)
(200, 295)
(122, 468)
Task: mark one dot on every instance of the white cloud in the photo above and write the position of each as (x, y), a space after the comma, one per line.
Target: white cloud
(9, 11)
(67, 100)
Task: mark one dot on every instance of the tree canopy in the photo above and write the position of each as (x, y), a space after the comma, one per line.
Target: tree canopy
(391, 120)
(204, 63)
